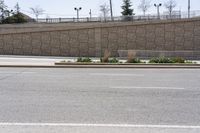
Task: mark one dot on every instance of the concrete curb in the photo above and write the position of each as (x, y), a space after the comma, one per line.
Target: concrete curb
(107, 66)
(125, 64)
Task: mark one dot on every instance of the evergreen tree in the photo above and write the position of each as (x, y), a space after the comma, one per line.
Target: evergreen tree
(17, 16)
(126, 7)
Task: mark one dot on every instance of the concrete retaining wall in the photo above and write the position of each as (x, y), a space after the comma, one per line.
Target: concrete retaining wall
(93, 39)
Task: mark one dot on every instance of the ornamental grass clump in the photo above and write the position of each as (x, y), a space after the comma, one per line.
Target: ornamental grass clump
(131, 57)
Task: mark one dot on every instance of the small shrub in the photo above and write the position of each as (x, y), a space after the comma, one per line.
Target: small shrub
(79, 59)
(153, 60)
(113, 60)
(106, 56)
(160, 60)
(84, 59)
(167, 60)
(87, 60)
(178, 60)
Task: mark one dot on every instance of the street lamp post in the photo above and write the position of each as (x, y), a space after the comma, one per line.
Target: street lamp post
(188, 8)
(158, 9)
(111, 10)
(77, 9)
(90, 13)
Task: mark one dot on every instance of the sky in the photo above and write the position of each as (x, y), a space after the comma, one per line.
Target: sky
(65, 8)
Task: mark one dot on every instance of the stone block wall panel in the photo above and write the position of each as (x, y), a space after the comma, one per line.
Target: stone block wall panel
(197, 43)
(131, 45)
(160, 31)
(1, 42)
(94, 40)
(150, 46)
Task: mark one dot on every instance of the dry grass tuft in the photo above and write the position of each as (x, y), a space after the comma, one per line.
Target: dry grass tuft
(131, 56)
(106, 56)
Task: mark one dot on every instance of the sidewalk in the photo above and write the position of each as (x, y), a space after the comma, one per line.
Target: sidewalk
(29, 60)
(49, 61)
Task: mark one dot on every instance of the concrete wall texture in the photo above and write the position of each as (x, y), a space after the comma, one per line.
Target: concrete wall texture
(92, 40)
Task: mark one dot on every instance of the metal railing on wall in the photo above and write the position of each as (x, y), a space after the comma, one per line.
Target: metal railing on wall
(108, 19)
(177, 15)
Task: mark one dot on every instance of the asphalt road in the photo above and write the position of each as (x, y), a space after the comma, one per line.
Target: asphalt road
(100, 100)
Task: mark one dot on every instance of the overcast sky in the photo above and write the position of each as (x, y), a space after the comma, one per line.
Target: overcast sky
(65, 8)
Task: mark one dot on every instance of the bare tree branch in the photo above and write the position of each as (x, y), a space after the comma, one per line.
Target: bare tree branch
(144, 6)
(104, 10)
(37, 11)
(170, 5)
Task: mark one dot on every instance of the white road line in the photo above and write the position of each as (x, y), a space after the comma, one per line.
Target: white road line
(17, 72)
(101, 125)
(115, 74)
(132, 87)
